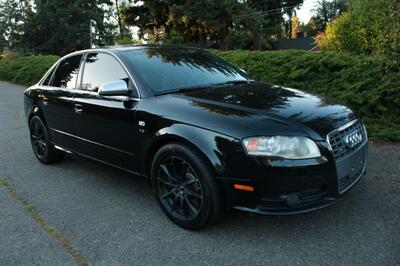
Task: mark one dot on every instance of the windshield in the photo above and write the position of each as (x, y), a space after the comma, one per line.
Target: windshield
(167, 70)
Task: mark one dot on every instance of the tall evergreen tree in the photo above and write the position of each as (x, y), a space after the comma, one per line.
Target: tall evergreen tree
(12, 16)
(62, 26)
(208, 21)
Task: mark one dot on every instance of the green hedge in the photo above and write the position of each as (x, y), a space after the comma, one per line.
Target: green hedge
(26, 70)
(370, 86)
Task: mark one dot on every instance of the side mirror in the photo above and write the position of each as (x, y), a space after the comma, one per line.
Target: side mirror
(241, 69)
(114, 88)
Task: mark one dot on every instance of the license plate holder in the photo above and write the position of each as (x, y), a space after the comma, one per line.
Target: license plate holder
(351, 168)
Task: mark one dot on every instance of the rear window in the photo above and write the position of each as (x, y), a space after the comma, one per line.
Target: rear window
(47, 81)
(100, 68)
(67, 72)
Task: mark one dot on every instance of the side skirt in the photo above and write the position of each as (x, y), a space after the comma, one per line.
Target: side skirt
(97, 160)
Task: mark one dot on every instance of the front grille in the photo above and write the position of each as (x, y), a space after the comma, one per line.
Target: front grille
(349, 148)
(345, 140)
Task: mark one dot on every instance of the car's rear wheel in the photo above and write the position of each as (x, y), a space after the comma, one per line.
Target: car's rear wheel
(185, 187)
(44, 150)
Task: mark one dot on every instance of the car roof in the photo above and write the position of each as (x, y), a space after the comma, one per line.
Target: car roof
(145, 46)
(122, 48)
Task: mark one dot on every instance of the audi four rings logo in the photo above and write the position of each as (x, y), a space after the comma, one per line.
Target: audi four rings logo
(353, 139)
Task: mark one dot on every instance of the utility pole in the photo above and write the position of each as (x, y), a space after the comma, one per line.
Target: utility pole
(395, 26)
(90, 34)
(90, 26)
(119, 19)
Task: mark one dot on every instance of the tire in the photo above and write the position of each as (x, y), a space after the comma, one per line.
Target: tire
(44, 150)
(187, 187)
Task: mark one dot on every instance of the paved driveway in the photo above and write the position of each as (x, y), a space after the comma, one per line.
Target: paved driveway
(84, 212)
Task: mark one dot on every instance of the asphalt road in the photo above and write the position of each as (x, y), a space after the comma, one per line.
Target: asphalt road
(83, 212)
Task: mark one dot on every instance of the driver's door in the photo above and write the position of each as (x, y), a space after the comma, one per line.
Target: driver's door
(106, 127)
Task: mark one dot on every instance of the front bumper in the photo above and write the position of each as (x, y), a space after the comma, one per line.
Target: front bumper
(285, 187)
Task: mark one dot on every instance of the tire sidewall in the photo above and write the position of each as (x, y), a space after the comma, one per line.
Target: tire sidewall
(52, 155)
(37, 119)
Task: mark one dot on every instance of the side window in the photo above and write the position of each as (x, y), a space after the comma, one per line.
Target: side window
(47, 81)
(67, 72)
(100, 68)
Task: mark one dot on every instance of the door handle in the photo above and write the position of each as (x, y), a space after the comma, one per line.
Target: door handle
(78, 108)
(45, 102)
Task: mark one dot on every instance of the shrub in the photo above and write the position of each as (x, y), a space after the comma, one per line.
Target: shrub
(9, 55)
(369, 27)
(26, 70)
(369, 85)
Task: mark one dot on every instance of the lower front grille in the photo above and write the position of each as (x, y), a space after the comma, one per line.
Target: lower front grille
(277, 201)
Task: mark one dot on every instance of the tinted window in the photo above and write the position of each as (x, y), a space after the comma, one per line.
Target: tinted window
(170, 69)
(100, 68)
(67, 72)
(47, 81)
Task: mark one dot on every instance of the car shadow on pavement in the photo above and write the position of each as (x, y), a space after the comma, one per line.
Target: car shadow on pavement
(111, 215)
(136, 189)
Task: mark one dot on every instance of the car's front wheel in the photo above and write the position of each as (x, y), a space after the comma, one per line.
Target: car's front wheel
(185, 187)
(44, 150)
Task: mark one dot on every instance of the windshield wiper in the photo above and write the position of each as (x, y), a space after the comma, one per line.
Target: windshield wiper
(235, 82)
(185, 89)
(205, 86)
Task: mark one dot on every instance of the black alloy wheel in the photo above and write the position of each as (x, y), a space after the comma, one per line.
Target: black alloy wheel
(44, 151)
(185, 186)
(179, 188)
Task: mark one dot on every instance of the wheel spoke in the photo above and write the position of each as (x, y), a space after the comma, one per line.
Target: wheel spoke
(189, 182)
(37, 129)
(166, 182)
(34, 130)
(165, 169)
(191, 207)
(193, 194)
(43, 147)
(176, 168)
(191, 179)
(181, 201)
(174, 203)
(169, 193)
(182, 171)
(39, 149)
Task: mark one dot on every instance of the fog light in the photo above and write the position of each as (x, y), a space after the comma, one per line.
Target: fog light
(291, 200)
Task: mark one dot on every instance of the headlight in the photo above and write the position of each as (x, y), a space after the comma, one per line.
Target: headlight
(281, 146)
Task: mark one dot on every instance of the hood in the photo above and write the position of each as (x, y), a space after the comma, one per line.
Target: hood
(260, 102)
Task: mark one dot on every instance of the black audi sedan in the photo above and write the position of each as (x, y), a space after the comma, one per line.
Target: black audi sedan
(206, 135)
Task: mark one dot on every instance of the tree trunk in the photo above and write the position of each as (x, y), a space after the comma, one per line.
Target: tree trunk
(119, 19)
(202, 40)
(223, 32)
(257, 43)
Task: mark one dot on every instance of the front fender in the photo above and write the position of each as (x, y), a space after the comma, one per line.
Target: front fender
(214, 146)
